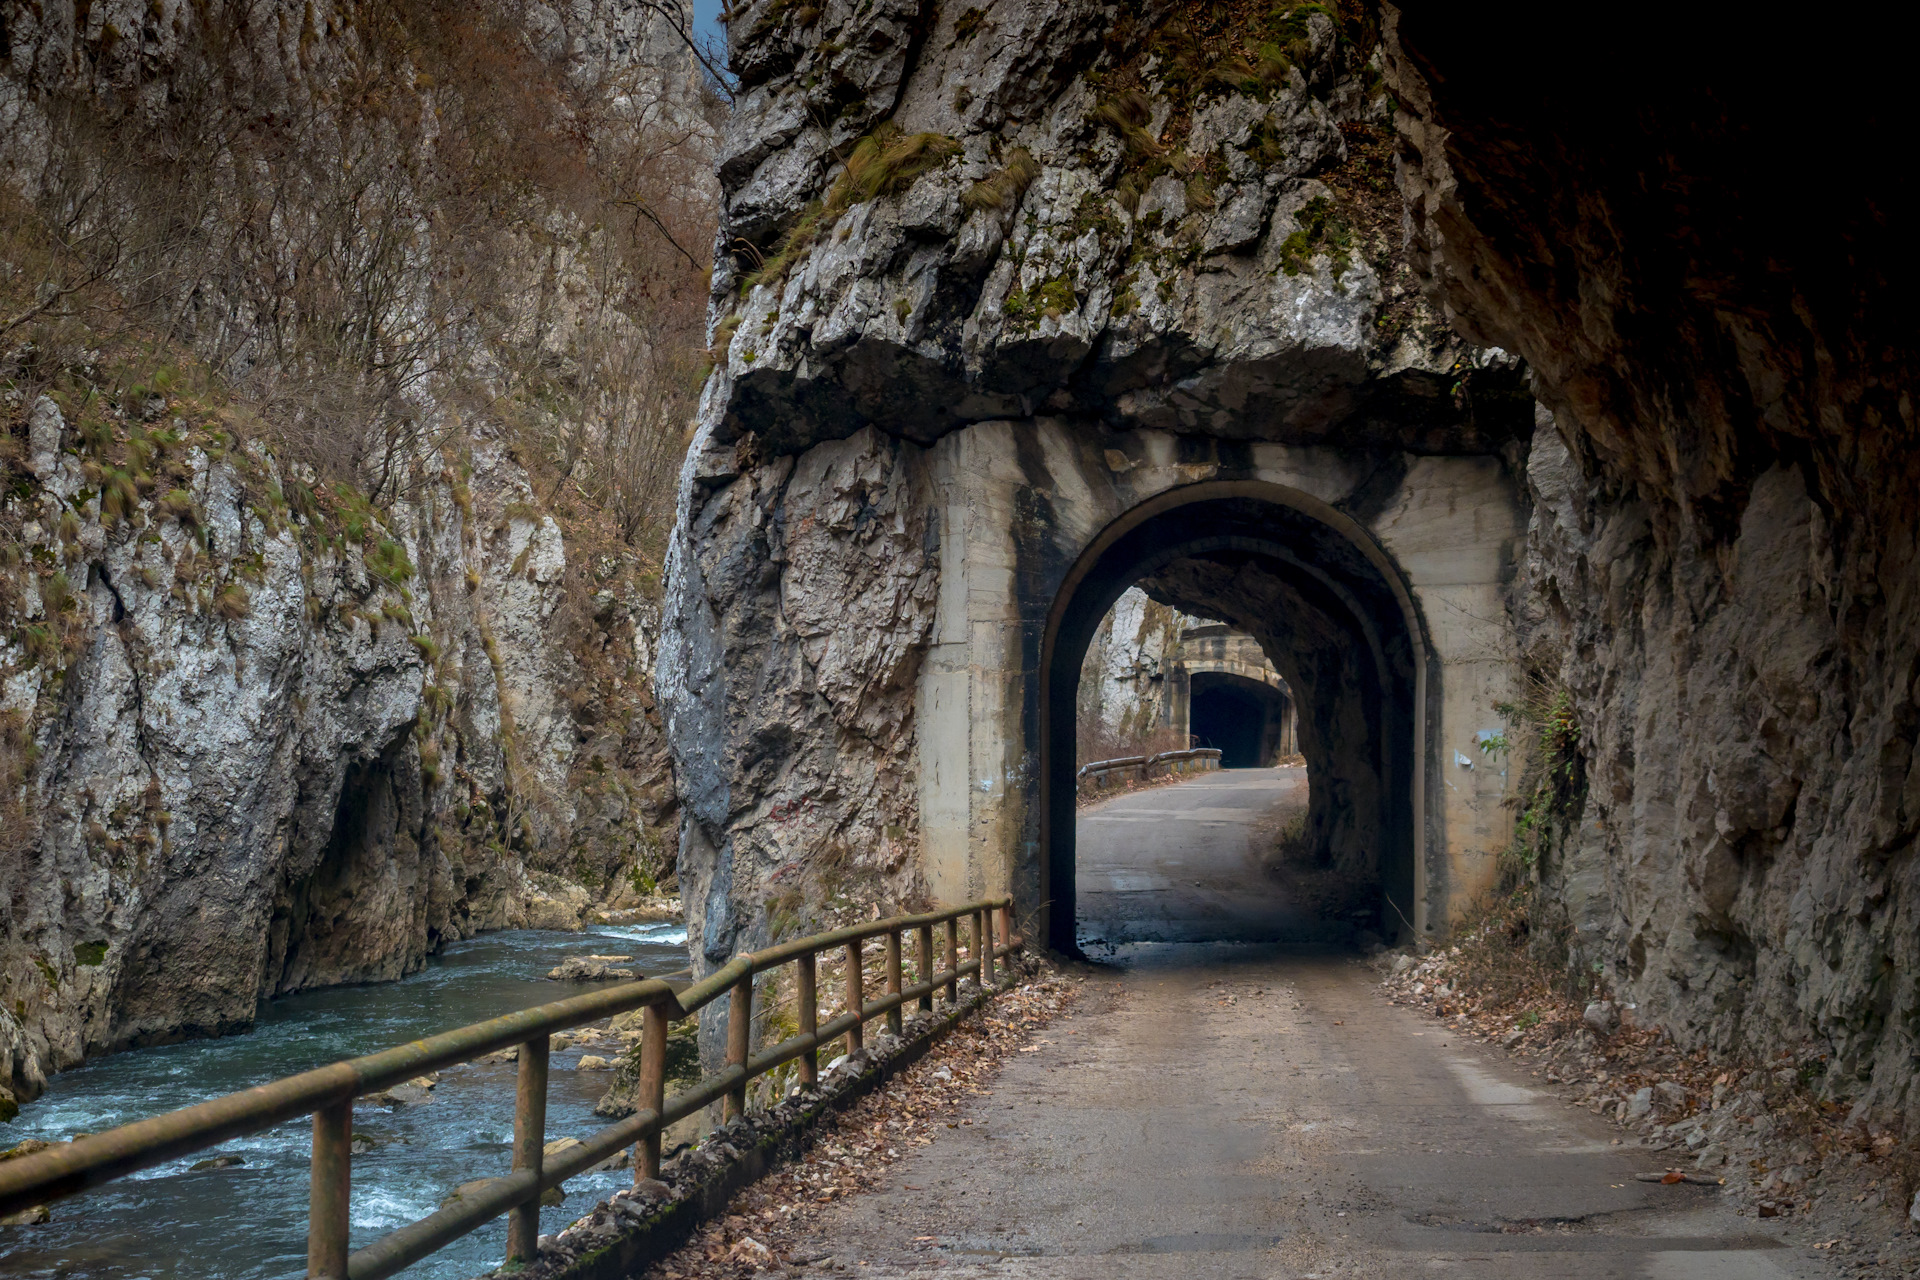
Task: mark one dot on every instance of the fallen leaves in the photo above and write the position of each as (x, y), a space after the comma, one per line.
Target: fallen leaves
(768, 1223)
(1673, 1177)
(1761, 1130)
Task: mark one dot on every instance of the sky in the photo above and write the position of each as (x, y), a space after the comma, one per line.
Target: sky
(706, 22)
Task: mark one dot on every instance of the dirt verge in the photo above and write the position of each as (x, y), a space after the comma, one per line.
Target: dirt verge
(1762, 1128)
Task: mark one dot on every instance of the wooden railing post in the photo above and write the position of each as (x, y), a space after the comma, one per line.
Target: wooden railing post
(654, 1026)
(926, 966)
(529, 1139)
(856, 1036)
(739, 1037)
(809, 999)
(984, 947)
(893, 979)
(1003, 927)
(953, 959)
(332, 1176)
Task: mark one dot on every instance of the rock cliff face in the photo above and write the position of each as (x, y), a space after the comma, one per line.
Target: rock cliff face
(257, 758)
(1123, 679)
(289, 700)
(1722, 566)
(804, 597)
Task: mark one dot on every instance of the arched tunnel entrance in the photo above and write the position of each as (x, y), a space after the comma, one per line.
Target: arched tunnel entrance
(1330, 612)
(1245, 719)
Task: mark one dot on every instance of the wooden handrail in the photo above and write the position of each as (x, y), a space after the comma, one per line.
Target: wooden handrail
(328, 1092)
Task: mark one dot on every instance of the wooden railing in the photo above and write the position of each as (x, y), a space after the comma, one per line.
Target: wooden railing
(328, 1092)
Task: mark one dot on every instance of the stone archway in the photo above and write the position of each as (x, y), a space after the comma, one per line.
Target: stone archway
(1331, 610)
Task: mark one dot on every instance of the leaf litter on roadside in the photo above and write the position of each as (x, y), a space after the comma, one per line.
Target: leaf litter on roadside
(767, 1222)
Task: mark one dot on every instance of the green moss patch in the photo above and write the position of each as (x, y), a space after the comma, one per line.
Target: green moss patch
(1053, 298)
(1320, 230)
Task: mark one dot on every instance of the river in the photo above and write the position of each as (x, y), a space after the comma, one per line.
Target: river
(250, 1221)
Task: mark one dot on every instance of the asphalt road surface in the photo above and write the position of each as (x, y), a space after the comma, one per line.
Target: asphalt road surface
(1255, 1111)
(1180, 863)
(1232, 1111)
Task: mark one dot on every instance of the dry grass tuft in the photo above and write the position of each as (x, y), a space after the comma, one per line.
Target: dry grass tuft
(1005, 186)
(884, 163)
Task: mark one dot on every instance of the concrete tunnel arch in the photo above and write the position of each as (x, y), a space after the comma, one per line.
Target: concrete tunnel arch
(1316, 554)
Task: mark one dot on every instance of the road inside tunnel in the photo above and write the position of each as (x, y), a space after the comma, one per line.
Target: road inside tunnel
(1185, 863)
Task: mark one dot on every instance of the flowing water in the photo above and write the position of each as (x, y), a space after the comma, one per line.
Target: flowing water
(250, 1221)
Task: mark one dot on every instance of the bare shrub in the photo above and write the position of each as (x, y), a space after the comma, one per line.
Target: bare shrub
(19, 817)
(1097, 739)
(426, 220)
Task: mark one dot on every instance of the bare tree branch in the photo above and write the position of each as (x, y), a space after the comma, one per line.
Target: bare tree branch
(634, 202)
(673, 20)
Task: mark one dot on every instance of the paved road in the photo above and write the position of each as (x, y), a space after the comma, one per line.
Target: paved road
(1179, 863)
(1221, 1111)
(1251, 1112)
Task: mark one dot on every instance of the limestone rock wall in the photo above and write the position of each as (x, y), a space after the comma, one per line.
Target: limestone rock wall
(1012, 240)
(258, 732)
(1124, 681)
(803, 592)
(253, 759)
(1722, 568)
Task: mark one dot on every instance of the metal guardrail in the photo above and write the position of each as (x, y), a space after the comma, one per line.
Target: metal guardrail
(328, 1092)
(1096, 771)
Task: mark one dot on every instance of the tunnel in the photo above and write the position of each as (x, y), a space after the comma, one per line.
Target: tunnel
(1327, 607)
(1242, 718)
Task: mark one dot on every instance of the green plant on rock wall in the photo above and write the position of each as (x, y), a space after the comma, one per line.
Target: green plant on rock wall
(1005, 186)
(1051, 298)
(1543, 736)
(1320, 230)
(884, 163)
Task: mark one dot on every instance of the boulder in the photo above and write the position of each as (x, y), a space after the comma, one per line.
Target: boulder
(216, 1162)
(1603, 1016)
(411, 1093)
(587, 969)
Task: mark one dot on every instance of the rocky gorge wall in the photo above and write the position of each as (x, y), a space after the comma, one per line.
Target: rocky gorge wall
(1721, 570)
(949, 224)
(261, 757)
(309, 663)
(1124, 694)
